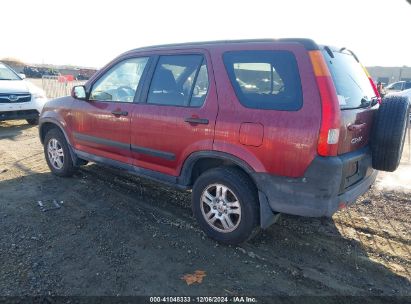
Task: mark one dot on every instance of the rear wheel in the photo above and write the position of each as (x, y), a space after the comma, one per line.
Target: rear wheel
(225, 204)
(389, 129)
(57, 154)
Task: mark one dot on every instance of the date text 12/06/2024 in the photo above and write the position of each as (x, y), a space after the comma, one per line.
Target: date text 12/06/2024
(233, 299)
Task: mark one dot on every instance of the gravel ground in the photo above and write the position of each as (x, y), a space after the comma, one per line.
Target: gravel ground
(116, 234)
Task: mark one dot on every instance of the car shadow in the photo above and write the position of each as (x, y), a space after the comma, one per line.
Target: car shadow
(345, 257)
(12, 129)
(302, 255)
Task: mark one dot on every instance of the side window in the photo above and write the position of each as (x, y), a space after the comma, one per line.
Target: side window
(397, 86)
(407, 85)
(120, 83)
(265, 79)
(200, 87)
(179, 80)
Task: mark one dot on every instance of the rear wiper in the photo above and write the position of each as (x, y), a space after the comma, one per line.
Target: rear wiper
(351, 52)
(364, 104)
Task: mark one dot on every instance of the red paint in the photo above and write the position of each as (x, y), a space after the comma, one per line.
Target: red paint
(163, 128)
(251, 134)
(94, 118)
(290, 137)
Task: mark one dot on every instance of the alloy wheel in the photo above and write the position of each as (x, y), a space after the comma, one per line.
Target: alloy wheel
(55, 154)
(221, 208)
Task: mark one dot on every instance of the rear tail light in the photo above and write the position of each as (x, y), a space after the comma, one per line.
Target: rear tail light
(330, 122)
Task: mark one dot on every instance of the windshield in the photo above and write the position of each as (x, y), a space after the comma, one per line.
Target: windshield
(7, 74)
(353, 87)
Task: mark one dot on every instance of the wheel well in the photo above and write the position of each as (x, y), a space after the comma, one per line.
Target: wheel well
(204, 164)
(47, 126)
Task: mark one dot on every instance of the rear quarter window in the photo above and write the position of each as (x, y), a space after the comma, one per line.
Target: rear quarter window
(267, 80)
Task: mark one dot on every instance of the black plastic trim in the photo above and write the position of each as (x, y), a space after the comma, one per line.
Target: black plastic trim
(120, 145)
(19, 114)
(101, 141)
(322, 188)
(185, 175)
(193, 120)
(58, 125)
(54, 122)
(309, 44)
(152, 152)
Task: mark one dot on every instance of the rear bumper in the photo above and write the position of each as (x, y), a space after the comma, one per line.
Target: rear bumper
(328, 184)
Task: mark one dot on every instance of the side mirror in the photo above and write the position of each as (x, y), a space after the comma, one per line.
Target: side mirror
(79, 92)
(22, 76)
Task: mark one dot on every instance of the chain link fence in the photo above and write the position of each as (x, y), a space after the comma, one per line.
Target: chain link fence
(59, 86)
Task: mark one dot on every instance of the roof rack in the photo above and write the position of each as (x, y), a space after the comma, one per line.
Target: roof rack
(308, 43)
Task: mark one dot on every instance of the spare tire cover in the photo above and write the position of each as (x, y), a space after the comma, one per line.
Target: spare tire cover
(388, 135)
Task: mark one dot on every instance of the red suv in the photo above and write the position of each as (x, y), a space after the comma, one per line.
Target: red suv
(253, 127)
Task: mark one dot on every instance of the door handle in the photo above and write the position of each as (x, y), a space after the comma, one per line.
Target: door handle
(356, 127)
(193, 120)
(119, 113)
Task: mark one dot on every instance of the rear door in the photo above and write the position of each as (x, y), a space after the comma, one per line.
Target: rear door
(357, 99)
(178, 115)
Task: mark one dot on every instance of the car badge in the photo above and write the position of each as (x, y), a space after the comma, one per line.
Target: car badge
(13, 98)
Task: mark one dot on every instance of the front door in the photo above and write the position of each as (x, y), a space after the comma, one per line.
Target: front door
(101, 125)
(179, 114)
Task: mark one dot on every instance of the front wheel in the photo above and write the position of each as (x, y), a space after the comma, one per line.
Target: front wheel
(225, 204)
(57, 153)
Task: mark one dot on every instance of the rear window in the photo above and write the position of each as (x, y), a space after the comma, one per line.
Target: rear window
(265, 79)
(353, 87)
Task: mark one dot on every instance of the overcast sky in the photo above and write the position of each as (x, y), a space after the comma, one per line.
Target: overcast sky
(91, 33)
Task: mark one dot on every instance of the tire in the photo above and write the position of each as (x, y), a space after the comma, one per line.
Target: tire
(388, 135)
(56, 147)
(33, 121)
(240, 189)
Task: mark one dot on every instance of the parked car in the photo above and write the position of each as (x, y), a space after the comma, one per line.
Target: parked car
(82, 77)
(19, 99)
(38, 72)
(85, 74)
(253, 127)
(32, 72)
(398, 86)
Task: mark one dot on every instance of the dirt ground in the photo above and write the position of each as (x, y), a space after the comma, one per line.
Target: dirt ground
(117, 234)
